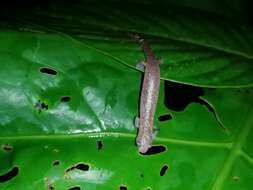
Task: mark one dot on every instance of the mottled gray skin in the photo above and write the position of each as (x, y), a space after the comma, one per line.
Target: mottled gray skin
(148, 101)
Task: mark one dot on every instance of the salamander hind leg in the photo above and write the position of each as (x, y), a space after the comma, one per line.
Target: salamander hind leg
(155, 132)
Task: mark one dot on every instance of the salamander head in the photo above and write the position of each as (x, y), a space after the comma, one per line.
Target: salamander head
(144, 143)
(143, 149)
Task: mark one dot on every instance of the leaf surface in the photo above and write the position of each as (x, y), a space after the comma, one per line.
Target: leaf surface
(87, 140)
(202, 44)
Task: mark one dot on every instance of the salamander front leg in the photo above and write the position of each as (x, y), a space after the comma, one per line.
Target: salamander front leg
(141, 66)
(137, 122)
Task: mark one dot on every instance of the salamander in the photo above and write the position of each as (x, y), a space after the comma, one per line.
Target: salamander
(148, 100)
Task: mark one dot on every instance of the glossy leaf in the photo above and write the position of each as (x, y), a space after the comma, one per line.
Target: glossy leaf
(87, 140)
(201, 45)
(95, 83)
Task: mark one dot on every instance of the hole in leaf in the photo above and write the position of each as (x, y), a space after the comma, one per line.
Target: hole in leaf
(44, 106)
(163, 170)
(157, 149)
(179, 96)
(123, 187)
(99, 145)
(65, 99)
(74, 188)
(56, 163)
(142, 175)
(148, 188)
(9, 175)
(83, 167)
(80, 166)
(164, 117)
(212, 109)
(48, 71)
(7, 147)
(41, 106)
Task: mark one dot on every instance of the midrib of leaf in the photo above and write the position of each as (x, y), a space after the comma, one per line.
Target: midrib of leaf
(195, 143)
(234, 153)
(126, 135)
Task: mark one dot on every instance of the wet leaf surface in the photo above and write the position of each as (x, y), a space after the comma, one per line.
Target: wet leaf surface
(67, 106)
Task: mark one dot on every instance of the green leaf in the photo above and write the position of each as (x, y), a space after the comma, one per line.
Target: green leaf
(200, 44)
(87, 140)
(94, 82)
